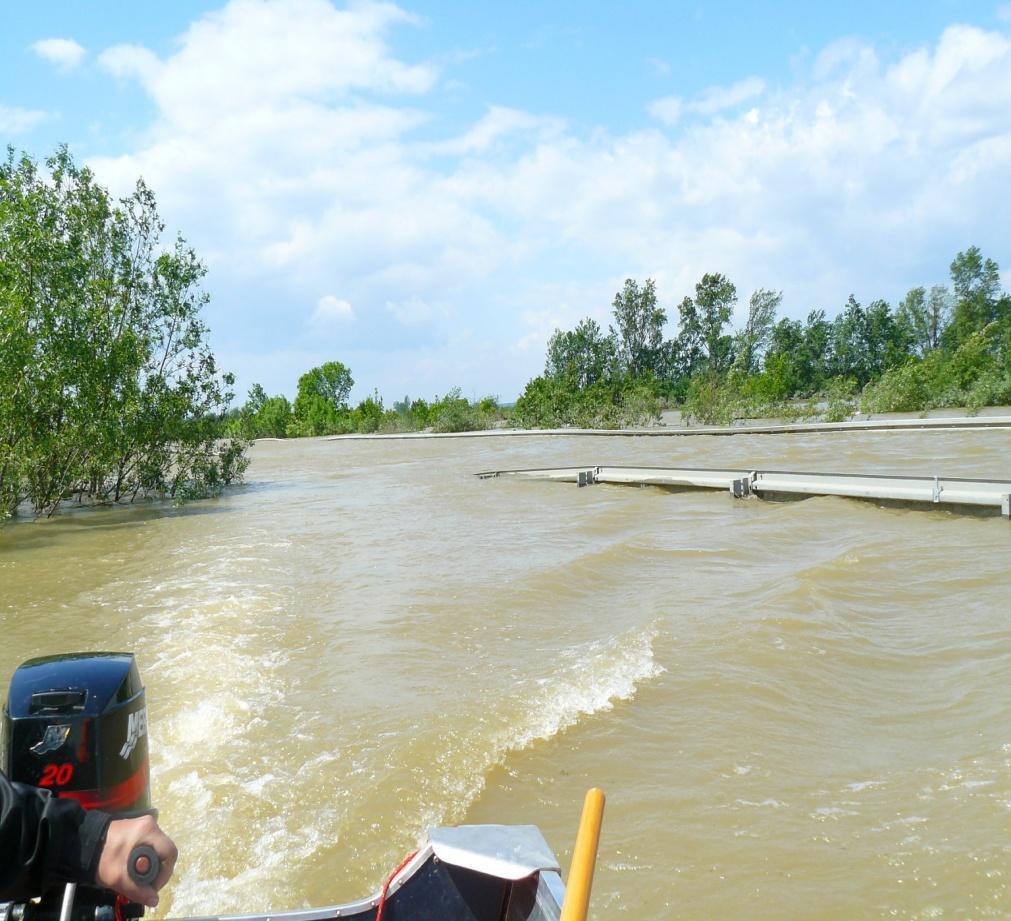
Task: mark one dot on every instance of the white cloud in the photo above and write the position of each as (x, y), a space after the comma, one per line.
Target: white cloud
(65, 53)
(130, 61)
(845, 57)
(668, 109)
(717, 98)
(497, 124)
(257, 55)
(286, 146)
(330, 312)
(14, 120)
(413, 312)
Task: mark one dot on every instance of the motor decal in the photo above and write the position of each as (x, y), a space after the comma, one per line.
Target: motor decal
(56, 775)
(54, 739)
(135, 730)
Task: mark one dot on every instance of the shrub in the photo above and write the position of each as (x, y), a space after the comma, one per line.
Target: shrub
(108, 387)
(454, 413)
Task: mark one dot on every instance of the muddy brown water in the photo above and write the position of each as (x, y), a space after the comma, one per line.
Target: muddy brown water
(797, 710)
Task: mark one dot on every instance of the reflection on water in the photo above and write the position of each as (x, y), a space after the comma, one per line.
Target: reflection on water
(796, 709)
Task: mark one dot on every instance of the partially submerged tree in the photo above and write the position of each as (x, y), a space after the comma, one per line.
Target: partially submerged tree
(108, 387)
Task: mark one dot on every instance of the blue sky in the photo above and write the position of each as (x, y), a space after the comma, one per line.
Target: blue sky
(425, 191)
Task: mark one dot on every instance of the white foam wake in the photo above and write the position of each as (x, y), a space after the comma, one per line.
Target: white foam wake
(588, 679)
(279, 834)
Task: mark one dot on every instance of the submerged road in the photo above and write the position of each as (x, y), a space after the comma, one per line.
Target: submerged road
(862, 425)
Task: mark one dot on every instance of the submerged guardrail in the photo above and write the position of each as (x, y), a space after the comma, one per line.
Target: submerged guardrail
(954, 493)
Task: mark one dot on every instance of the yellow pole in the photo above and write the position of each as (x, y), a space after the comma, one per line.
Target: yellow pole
(584, 858)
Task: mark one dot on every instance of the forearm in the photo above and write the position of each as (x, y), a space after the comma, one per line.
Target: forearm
(44, 840)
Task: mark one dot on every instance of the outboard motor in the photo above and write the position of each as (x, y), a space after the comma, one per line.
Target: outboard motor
(77, 725)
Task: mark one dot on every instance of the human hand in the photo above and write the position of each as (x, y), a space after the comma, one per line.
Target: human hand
(120, 840)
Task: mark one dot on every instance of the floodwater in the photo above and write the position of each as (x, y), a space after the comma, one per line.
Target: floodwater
(797, 710)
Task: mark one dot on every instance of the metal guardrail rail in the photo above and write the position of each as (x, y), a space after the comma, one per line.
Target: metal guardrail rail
(951, 492)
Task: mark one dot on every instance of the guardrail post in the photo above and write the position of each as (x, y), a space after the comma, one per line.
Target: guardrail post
(1005, 507)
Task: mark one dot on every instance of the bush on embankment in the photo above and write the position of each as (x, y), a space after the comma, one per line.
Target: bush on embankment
(976, 374)
(551, 403)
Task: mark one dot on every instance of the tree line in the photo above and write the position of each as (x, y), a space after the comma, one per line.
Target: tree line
(108, 388)
(321, 407)
(946, 346)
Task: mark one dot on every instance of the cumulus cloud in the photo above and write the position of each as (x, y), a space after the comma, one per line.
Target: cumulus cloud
(287, 146)
(258, 55)
(15, 120)
(65, 53)
(330, 312)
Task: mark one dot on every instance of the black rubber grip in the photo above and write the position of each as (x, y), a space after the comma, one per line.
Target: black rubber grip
(153, 865)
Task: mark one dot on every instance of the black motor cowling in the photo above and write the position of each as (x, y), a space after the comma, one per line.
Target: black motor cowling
(77, 724)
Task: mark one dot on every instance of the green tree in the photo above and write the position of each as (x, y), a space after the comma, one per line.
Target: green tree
(273, 417)
(638, 330)
(702, 340)
(925, 316)
(454, 413)
(331, 381)
(582, 356)
(420, 413)
(263, 416)
(849, 341)
(785, 364)
(817, 351)
(753, 340)
(320, 406)
(798, 358)
(257, 399)
(886, 342)
(975, 282)
(108, 387)
(368, 415)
